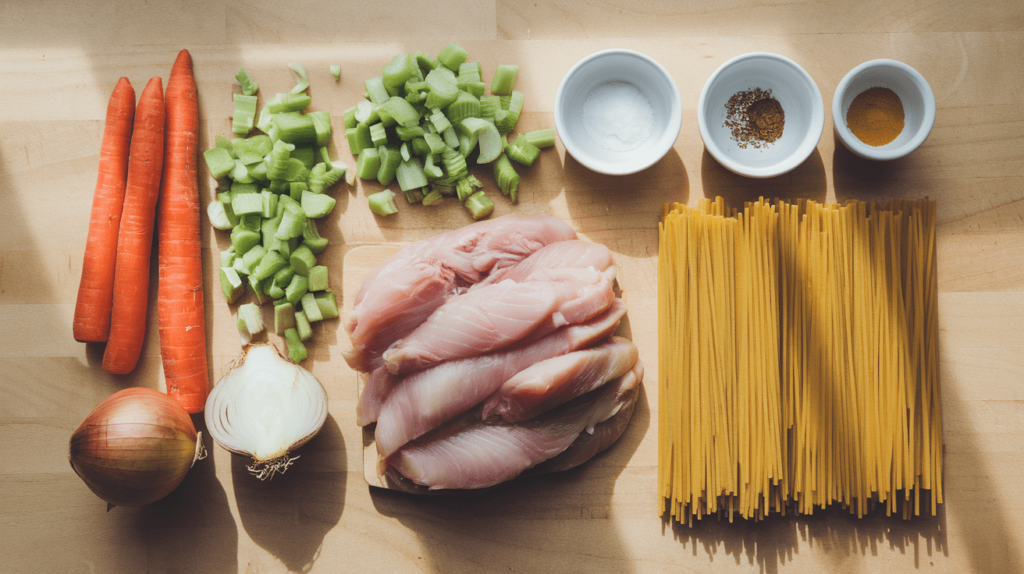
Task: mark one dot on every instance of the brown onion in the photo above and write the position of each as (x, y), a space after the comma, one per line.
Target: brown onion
(135, 447)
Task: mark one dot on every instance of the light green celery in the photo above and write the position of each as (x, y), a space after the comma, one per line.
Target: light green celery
(425, 62)
(227, 257)
(220, 216)
(435, 142)
(410, 174)
(245, 151)
(219, 162)
(349, 118)
(317, 278)
(321, 177)
(375, 90)
(325, 157)
(250, 321)
(430, 169)
(231, 284)
(389, 160)
(414, 196)
(304, 154)
(366, 112)
(297, 287)
(311, 237)
(466, 187)
(284, 275)
(295, 128)
(479, 205)
(443, 88)
(452, 56)
(322, 126)
(487, 135)
(401, 111)
(296, 350)
(336, 71)
(245, 203)
(522, 151)
(454, 163)
(258, 171)
(301, 77)
(240, 173)
(368, 163)
(250, 220)
(245, 114)
(310, 308)
(221, 141)
(284, 317)
(451, 139)
(305, 331)
(269, 204)
(295, 188)
(359, 138)
(269, 264)
(383, 203)
(506, 176)
(399, 70)
(316, 205)
(302, 259)
(292, 224)
(407, 133)
(541, 138)
(504, 80)
(295, 170)
(281, 103)
(327, 305)
(432, 198)
(464, 106)
(243, 239)
(249, 85)
(257, 289)
(439, 121)
(277, 162)
(252, 258)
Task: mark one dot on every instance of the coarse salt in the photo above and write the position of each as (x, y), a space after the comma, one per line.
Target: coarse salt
(618, 116)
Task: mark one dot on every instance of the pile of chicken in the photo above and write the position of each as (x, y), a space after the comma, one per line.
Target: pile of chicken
(488, 351)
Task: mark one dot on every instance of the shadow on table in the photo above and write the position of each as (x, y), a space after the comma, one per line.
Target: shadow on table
(806, 181)
(290, 514)
(554, 522)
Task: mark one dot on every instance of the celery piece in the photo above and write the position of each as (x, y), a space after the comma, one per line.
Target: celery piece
(366, 112)
(287, 203)
(322, 126)
(479, 205)
(252, 258)
(219, 161)
(245, 203)
(464, 78)
(272, 290)
(358, 138)
(317, 205)
(249, 85)
(378, 135)
(454, 163)
(349, 118)
(295, 128)
(414, 196)
(231, 284)
(288, 103)
(419, 146)
(410, 174)
(227, 257)
(264, 120)
(432, 198)
(368, 163)
(434, 142)
(465, 187)
(296, 188)
(425, 62)
(297, 287)
(269, 231)
(327, 304)
(389, 160)
(317, 278)
(284, 275)
(284, 317)
(258, 171)
(250, 321)
(251, 221)
(452, 56)
(523, 152)
(296, 350)
(311, 237)
(375, 90)
(506, 119)
(279, 185)
(321, 179)
(310, 307)
(488, 136)
(408, 133)
(336, 71)
(295, 170)
(292, 224)
(402, 111)
(506, 176)
(431, 170)
(240, 173)
(302, 326)
(277, 162)
(306, 155)
(464, 106)
(439, 121)
(451, 139)
(302, 260)
(269, 264)
(245, 151)
(221, 141)
(239, 266)
(489, 105)
(325, 157)
(399, 70)
(243, 239)
(221, 217)
(383, 202)
(405, 152)
(301, 77)
(245, 114)
(504, 80)
(442, 88)
(257, 289)
(541, 138)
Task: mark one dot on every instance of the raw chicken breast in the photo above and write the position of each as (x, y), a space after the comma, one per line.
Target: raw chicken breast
(468, 454)
(561, 255)
(426, 399)
(498, 315)
(554, 381)
(404, 290)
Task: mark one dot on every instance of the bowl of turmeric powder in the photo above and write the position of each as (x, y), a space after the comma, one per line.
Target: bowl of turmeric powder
(883, 110)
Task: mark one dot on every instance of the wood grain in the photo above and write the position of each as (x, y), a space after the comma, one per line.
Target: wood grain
(60, 61)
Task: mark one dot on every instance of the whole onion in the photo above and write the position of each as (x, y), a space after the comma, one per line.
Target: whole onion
(135, 447)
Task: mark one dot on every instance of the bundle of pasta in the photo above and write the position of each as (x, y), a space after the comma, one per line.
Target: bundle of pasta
(489, 351)
(798, 360)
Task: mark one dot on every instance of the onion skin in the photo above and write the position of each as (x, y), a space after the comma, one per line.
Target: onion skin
(135, 447)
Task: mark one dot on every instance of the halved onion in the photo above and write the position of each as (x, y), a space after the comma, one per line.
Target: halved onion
(135, 447)
(265, 407)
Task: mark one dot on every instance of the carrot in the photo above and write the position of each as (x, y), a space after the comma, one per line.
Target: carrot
(96, 289)
(180, 288)
(135, 237)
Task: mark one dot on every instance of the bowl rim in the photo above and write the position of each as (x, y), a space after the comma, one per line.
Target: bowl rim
(881, 153)
(664, 143)
(790, 162)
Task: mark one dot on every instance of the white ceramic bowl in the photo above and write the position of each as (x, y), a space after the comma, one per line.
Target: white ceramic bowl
(605, 77)
(795, 91)
(914, 93)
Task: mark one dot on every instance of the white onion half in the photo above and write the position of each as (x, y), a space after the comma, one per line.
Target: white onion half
(265, 407)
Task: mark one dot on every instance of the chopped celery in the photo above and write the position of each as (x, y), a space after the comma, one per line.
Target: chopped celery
(506, 176)
(221, 217)
(295, 188)
(489, 105)
(389, 160)
(454, 163)
(322, 177)
(295, 128)
(250, 321)
(269, 264)
(240, 173)
(425, 62)
(488, 137)
(292, 224)
(522, 151)
(316, 205)
(366, 112)
(479, 205)
(383, 202)
(443, 88)
(322, 126)
(336, 71)
(464, 106)
(284, 275)
(306, 155)
(375, 90)
(378, 135)
(409, 133)
(284, 317)
(227, 257)
(219, 161)
(327, 305)
(310, 307)
(504, 80)
(432, 198)
(301, 77)
(252, 258)
(317, 278)
(358, 138)
(277, 162)
(297, 287)
(231, 284)
(245, 114)
(302, 326)
(368, 163)
(281, 103)
(434, 142)
(401, 68)
(506, 119)
(244, 203)
(257, 289)
(302, 259)
(296, 350)
(250, 221)
(410, 174)
(466, 187)
(452, 56)
(311, 237)
(414, 196)
(245, 151)
(439, 121)
(541, 138)
(349, 118)
(221, 141)
(243, 239)
(402, 111)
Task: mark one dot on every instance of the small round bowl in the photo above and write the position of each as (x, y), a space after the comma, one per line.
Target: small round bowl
(795, 91)
(589, 106)
(914, 93)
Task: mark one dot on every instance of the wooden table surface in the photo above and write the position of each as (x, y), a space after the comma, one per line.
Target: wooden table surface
(59, 62)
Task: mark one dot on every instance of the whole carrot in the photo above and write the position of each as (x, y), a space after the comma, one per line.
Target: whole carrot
(135, 237)
(96, 289)
(180, 283)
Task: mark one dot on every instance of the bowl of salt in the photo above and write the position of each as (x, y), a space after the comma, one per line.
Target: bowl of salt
(618, 112)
